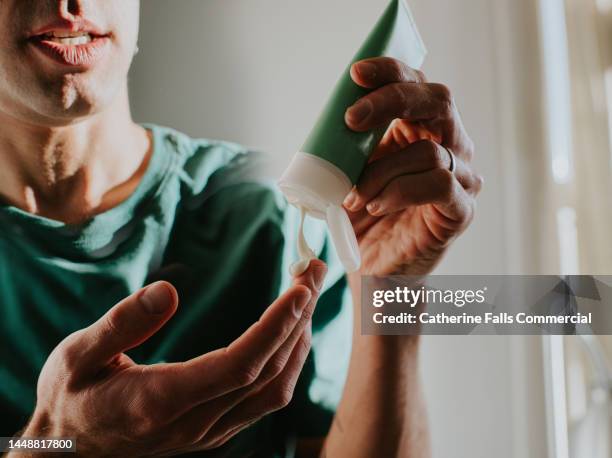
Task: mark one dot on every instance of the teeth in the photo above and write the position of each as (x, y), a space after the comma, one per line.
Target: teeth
(67, 34)
(72, 41)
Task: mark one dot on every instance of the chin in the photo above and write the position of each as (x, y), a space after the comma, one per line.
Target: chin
(78, 97)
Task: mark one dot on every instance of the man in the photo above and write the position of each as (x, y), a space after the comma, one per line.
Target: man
(97, 210)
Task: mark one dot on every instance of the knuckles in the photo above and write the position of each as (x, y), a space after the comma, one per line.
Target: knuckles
(306, 342)
(438, 93)
(308, 312)
(282, 397)
(399, 193)
(246, 374)
(149, 413)
(111, 325)
(396, 69)
(284, 394)
(421, 77)
(444, 184)
(434, 154)
(469, 215)
(479, 183)
(444, 97)
(398, 92)
(70, 353)
(276, 367)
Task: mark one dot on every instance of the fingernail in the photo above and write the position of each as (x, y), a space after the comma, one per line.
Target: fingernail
(349, 202)
(156, 299)
(359, 112)
(301, 302)
(367, 70)
(373, 208)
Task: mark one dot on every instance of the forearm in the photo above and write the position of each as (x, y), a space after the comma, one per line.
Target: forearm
(382, 412)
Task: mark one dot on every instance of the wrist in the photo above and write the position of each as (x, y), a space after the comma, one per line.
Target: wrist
(40, 427)
(404, 346)
(407, 343)
(31, 430)
(396, 357)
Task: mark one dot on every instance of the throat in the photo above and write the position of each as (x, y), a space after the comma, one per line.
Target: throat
(71, 201)
(73, 191)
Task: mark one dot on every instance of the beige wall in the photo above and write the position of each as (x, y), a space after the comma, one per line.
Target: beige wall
(257, 72)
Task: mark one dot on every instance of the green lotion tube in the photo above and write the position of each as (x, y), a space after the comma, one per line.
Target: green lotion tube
(333, 157)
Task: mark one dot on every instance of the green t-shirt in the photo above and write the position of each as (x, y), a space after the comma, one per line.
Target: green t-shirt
(204, 218)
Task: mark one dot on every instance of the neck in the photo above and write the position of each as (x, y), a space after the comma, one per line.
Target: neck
(73, 172)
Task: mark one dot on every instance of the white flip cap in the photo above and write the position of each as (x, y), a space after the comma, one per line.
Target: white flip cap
(320, 188)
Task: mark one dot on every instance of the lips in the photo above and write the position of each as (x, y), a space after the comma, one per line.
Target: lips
(71, 44)
(69, 38)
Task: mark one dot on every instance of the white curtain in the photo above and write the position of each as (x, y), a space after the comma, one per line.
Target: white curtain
(574, 211)
(590, 52)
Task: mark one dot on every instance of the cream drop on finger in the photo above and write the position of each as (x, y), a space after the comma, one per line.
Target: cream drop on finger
(305, 253)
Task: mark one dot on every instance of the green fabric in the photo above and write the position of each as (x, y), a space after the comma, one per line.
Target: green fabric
(205, 218)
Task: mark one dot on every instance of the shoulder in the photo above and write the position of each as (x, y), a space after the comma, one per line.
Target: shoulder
(221, 184)
(196, 160)
(206, 168)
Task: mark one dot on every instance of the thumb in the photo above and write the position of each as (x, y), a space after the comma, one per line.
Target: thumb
(127, 324)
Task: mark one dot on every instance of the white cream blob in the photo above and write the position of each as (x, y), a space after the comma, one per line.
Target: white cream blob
(304, 252)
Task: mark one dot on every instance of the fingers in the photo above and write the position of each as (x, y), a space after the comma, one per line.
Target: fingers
(219, 380)
(422, 156)
(288, 359)
(312, 279)
(274, 396)
(314, 276)
(264, 346)
(438, 187)
(376, 72)
(403, 93)
(240, 364)
(125, 326)
(211, 424)
(409, 101)
(263, 339)
(397, 97)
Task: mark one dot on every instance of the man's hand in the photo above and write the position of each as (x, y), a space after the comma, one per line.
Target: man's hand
(408, 206)
(90, 389)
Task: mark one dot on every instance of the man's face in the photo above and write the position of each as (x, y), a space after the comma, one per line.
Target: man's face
(64, 60)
